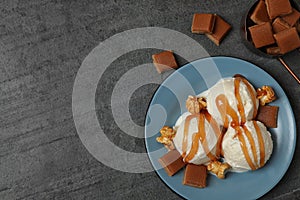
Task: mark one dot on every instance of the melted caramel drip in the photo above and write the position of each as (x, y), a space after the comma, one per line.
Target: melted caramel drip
(185, 133)
(261, 144)
(195, 140)
(252, 145)
(200, 136)
(217, 131)
(240, 106)
(225, 109)
(252, 94)
(202, 132)
(244, 147)
(194, 148)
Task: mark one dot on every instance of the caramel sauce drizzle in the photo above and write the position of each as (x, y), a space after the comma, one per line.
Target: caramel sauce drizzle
(252, 145)
(195, 140)
(225, 109)
(217, 131)
(252, 94)
(240, 106)
(200, 136)
(261, 144)
(185, 133)
(203, 140)
(244, 147)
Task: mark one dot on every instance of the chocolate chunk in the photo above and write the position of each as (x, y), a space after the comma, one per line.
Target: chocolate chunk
(268, 115)
(287, 40)
(292, 18)
(279, 25)
(203, 23)
(172, 162)
(262, 34)
(195, 175)
(164, 61)
(273, 51)
(260, 14)
(220, 30)
(277, 8)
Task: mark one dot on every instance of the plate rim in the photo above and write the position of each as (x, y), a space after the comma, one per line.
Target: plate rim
(288, 163)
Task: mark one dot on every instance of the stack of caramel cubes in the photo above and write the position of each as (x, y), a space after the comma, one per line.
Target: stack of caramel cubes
(276, 28)
(212, 25)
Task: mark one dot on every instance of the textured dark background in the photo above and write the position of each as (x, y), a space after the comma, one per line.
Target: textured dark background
(42, 45)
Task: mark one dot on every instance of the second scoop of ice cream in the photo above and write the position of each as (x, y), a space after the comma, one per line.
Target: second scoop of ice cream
(232, 100)
(247, 147)
(198, 138)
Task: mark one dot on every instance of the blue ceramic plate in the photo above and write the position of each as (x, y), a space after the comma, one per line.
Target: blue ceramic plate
(169, 102)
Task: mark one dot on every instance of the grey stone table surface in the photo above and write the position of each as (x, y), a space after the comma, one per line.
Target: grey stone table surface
(42, 46)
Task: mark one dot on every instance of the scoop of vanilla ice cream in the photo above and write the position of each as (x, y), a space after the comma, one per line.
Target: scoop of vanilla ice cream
(181, 118)
(226, 86)
(235, 156)
(211, 138)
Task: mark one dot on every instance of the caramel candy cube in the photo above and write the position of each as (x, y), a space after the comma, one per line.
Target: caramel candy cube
(273, 51)
(195, 175)
(164, 61)
(172, 162)
(277, 8)
(260, 14)
(287, 40)
(203, 23)
(220, 30)
(279, 25)
(262, 34)
(268, 115)
(292, 18)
